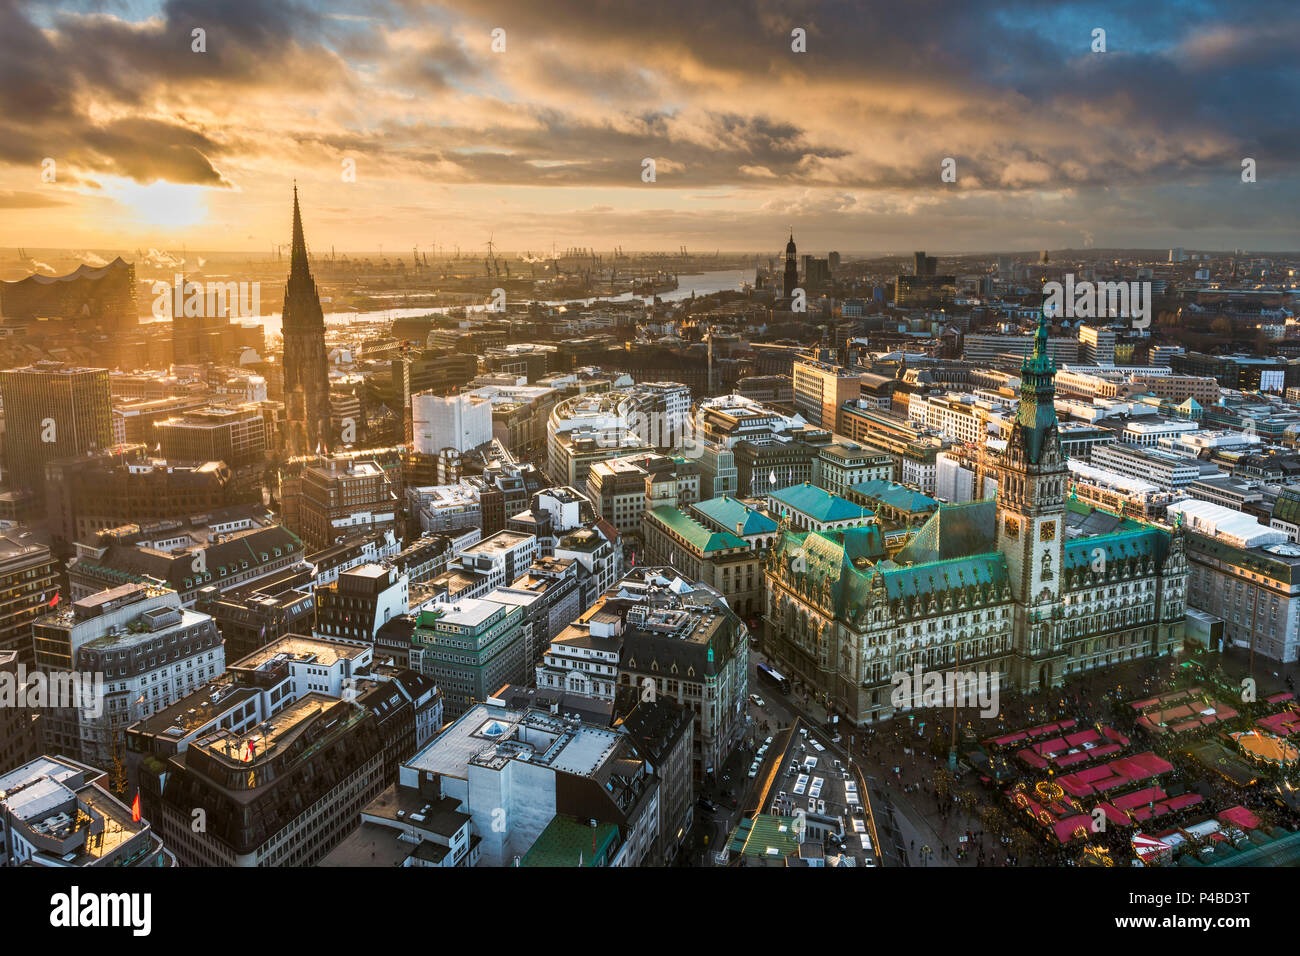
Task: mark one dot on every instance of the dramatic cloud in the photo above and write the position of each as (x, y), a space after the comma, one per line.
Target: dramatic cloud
(451, 137)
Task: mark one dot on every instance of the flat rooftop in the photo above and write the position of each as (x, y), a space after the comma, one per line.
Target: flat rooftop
(467, 612)
(302, 650)
(499, 543)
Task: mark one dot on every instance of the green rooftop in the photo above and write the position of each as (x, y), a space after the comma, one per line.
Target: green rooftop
(820, 505)
(766, 836)
(568, 842)
(695, 534)
(896, 496)
(730, 512)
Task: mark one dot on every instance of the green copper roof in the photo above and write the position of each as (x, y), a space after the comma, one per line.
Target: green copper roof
(1117, 548)
(697, 535)
(926, 578)
(569, 842)
(954, 531)
(819, 504)
(729, 512)
(897, 496)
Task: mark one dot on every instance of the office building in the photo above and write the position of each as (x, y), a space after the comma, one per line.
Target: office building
(461, 421)
(55, 812)
(52, 411)
(144, 650)
(29, 582)
(336, 497)
(234, 435)
(360, 602)
(820, 389)
(469, 648)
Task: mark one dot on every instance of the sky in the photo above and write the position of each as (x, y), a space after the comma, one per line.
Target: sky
(542, 139)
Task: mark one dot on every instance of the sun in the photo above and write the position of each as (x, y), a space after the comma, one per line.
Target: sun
(160, 204)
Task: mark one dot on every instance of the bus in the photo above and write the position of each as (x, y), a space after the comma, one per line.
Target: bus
(772, 675)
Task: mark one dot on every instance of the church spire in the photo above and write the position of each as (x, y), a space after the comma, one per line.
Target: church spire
(306, 373)
(298, 265)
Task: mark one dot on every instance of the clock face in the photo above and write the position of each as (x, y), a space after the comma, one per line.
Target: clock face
(1012, 526)
(1047, 531)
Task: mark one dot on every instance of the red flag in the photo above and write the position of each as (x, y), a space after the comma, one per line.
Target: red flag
(135, 808)
(54, 600)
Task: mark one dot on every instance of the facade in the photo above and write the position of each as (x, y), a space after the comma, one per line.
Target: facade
(598, 549)
(150, 651)
(339, 496)
(820, 389)
(85, 496)
(445, 509)
(592, 427)
(844, 465)
(469, 648)
(762, 466)
(252, 616)
(1097, 345)
(52, 411)
(548, 591)
(718, 472)
(552, 513)
(622, 489)
(684, 641)
(314, 716)
(1253, 587)
(499, 559)
(1031, 585)
(360, 602)
(234, 435)
(720, 559)
(957, 417)
(909, 444)
(20, 724)
(583, 659)
(987, 349)
(28, 583)
(461, 421)
(664, 732)
(281, 793)
(1167, 471)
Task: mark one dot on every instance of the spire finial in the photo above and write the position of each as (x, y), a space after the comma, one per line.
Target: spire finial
(298, 263)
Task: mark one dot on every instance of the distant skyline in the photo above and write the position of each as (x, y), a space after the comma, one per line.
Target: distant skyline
(157, 146)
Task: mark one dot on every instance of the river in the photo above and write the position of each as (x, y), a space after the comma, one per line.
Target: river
(702, 283)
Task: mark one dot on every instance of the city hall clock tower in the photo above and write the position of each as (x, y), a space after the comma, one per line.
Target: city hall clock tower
(1032, 481)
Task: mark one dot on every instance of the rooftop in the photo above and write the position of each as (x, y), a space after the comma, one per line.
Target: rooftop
(820, 505)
